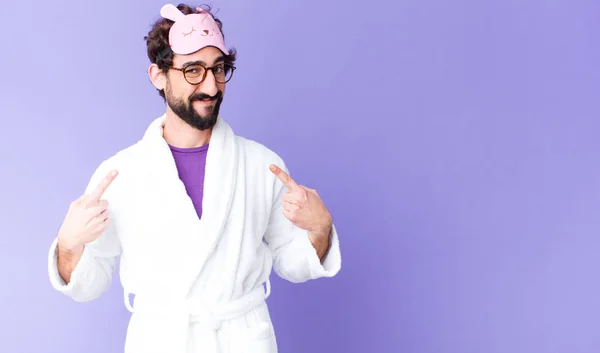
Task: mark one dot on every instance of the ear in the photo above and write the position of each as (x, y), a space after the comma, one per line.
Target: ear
(157, 76)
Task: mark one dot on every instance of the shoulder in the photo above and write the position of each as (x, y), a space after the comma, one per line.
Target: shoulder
(255, 151)
(123, 161)
(257, 160)
(122, 158)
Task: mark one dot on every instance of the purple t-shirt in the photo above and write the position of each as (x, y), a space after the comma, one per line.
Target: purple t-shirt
(190, 165)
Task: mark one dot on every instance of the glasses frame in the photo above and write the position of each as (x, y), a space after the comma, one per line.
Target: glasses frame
(206, 69)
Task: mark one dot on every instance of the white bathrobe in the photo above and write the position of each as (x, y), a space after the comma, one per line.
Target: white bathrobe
(195, 285)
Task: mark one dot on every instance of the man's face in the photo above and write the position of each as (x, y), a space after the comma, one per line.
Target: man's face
(197, 105)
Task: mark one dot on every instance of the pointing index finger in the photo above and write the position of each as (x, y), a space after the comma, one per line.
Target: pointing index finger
(283, 176)
(104, 184)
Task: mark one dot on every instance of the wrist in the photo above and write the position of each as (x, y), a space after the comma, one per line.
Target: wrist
(65, 244)
(323, 229)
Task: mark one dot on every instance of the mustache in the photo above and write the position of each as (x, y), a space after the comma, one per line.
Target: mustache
(203, 96)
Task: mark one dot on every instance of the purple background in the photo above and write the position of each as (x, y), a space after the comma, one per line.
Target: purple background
(455, 143)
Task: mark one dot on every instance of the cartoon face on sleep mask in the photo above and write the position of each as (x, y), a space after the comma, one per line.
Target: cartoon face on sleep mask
(192, 32)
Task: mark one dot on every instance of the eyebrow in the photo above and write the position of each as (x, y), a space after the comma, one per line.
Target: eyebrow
(217, 60)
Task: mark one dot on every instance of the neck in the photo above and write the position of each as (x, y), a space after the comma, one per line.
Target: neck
(178, 133)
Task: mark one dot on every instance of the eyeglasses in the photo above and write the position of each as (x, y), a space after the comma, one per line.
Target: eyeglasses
(194, 74)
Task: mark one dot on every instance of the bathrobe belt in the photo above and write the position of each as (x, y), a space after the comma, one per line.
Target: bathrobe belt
(175, 316)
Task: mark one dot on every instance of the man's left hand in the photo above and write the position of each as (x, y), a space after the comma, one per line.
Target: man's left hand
(305, 209)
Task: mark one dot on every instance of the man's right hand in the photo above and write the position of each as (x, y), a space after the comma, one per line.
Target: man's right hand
(86, 219)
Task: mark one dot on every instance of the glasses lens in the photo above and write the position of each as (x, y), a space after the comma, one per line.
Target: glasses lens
(223, 72)
(194, 73)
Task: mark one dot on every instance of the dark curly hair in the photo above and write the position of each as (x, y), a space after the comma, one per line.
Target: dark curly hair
(157, 41)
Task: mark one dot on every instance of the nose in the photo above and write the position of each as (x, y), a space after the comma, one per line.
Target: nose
(209, 85)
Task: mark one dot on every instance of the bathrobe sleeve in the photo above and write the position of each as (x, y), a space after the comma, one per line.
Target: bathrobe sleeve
(93, 274)
(295, 259)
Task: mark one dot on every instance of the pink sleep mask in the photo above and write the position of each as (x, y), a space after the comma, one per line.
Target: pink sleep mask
(193, 32)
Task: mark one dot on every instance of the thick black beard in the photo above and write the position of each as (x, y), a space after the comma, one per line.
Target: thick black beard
(188, 114)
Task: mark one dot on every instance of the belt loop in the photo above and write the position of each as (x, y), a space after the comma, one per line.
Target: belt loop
(127, 301)
(268, 285)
